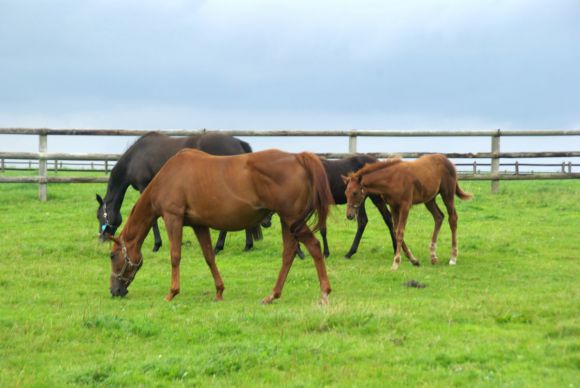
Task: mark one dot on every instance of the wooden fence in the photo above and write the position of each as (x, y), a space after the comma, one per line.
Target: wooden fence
(43, 156)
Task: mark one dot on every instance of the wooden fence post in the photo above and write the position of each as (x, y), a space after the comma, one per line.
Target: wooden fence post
(42, 170)
(517, 168)
(495, 161)
(2, 164)
(352, 144)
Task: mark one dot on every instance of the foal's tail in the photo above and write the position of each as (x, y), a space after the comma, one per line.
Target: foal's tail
(462, 194)
(321, 197)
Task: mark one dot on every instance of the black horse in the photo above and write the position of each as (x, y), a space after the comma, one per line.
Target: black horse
(335, 169)
(139, 164)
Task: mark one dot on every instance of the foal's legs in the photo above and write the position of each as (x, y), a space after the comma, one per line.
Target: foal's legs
(396, 210)
(448, 199)
(361, 220)
(174, 228)
(382, 208)
(204, 239)
(438, 218)
(290, 247)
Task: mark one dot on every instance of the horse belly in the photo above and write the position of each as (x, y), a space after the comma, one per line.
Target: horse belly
(227, 217)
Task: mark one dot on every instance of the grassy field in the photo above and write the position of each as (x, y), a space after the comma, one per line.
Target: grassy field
(507, 315)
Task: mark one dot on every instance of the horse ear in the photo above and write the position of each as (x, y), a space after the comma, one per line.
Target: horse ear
(99, 200)
(345, 179)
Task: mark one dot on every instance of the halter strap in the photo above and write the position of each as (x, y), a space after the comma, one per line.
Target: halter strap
(128, 264)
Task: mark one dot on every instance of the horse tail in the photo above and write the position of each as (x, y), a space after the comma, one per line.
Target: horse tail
(246, 147)
(462, 194)
(321, 197)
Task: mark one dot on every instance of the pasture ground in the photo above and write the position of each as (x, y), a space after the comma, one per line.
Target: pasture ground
(507, 315)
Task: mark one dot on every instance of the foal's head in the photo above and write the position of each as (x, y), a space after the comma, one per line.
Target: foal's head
(355, 195)
(108, 221)
(123, 267)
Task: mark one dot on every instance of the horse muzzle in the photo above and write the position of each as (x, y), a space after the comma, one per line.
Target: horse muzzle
(119, 291)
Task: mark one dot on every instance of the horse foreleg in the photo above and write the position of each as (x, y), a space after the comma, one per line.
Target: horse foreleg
(438, 219)
(324, 242)
(221, 241)
(156, 236)
(401, 220)
(249, 241)
(204, 239)
(305, 236)
(290, 249)
(387, 218)
(174, 232)
(361, 220)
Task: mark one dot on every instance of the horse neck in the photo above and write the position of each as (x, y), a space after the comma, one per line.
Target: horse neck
(117, 187)
(374, 181)
(139, 222)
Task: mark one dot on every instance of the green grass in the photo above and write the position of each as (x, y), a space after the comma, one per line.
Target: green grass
(507, 314)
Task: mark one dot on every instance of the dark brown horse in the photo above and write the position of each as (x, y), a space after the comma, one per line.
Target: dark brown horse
(227, 193)
(139, 164)
(403, 184)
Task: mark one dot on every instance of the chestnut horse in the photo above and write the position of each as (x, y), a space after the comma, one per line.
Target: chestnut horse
(403, 184)
(227, 193)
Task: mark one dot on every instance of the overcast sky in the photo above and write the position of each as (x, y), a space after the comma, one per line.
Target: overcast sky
(299, 64)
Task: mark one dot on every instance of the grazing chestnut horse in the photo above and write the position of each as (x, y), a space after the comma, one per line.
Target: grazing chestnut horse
(227, 193)
(403, 184)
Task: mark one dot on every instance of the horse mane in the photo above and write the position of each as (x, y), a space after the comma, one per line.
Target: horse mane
(372, 167)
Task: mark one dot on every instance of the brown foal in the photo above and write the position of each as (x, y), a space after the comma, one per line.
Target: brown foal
(227, 193)
(403, 184)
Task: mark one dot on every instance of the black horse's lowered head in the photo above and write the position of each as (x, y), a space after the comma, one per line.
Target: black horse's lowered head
(108, 221)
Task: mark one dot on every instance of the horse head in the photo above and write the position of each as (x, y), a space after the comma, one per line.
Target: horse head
(355, 194)
(109, 221)
(123, 267)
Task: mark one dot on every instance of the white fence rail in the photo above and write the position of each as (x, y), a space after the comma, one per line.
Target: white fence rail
(43, 156)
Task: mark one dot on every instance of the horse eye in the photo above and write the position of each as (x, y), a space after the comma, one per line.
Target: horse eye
(112, 255)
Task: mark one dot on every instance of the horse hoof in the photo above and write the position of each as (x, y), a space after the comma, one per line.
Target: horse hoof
(434, 261)
(394, 267)
(452, 262)
(156, 248)
(218, 298)
(416, 263)
(268, 300)
(248, 248)
(169, 297)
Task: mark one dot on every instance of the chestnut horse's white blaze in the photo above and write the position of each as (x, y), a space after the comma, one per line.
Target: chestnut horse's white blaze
(404, 184)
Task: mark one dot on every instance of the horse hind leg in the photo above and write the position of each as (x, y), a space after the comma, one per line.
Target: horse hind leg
(306, 237)
(450, 205)
(204, 239)
(438, 218)
(288, 254)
